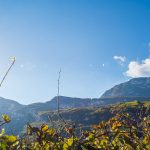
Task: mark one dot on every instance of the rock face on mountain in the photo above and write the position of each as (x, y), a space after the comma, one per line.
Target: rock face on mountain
(137, 87)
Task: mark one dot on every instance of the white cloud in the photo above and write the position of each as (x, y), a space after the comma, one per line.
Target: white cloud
(136, 69)
(120, 59)
(103, 65)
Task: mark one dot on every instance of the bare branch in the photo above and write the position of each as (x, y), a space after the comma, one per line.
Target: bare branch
(13, 62)
(58, 90)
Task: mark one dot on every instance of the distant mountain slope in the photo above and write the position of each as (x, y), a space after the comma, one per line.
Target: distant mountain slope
(137, 87)
(88, 116)
(65, 102)
(23, 114)
(9, 106)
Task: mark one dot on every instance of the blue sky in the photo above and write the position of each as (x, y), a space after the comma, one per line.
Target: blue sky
(97, 44)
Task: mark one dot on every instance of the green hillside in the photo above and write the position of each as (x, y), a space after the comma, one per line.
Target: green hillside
(88, 116)
(124, 126)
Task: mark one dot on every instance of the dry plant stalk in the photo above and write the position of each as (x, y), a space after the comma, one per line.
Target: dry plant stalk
(8, 70)
(58, 90)
(62, 123)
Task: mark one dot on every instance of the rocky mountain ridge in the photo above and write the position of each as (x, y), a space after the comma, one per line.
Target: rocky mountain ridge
(136, 87)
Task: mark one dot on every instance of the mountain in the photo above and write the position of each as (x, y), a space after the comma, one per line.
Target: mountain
(136, 87)
(23, 114)
(65, 102)
(88, 116)
(8, 106)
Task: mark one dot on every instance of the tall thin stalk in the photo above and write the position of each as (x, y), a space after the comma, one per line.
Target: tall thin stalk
(58, 88)
(8, 70)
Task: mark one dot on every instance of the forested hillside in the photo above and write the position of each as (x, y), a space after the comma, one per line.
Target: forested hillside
(122, 126)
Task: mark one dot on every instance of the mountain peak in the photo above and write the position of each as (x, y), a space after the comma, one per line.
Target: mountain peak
(136, 87)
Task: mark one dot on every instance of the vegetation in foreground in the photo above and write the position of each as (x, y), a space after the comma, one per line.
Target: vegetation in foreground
(121, 132)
